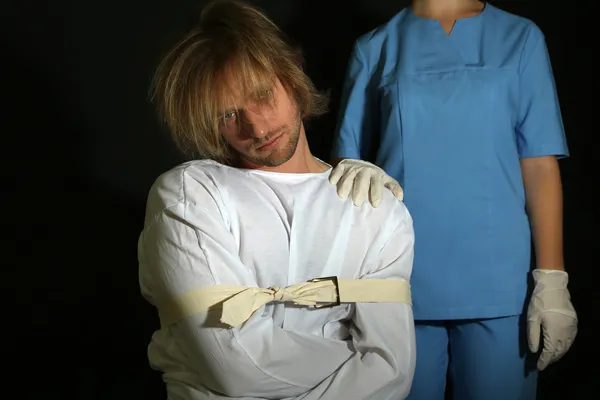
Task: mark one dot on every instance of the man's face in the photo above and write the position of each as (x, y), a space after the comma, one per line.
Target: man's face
(264, 129)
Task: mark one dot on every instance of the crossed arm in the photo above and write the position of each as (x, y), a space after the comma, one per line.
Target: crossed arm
(187, 248)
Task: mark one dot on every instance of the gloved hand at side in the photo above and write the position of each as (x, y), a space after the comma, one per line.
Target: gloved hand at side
(550, 315)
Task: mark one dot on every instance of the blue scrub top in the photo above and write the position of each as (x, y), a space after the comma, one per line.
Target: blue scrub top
(450, 117)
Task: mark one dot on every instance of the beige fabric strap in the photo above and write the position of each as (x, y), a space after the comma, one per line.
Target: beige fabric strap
(240, 302)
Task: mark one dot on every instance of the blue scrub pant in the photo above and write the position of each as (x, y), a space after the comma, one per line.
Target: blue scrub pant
(485, 359)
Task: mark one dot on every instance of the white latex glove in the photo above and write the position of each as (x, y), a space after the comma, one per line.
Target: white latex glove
(364, 180)
(551, 313)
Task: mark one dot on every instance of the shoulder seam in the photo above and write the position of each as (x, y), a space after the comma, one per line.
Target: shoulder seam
(526, 57)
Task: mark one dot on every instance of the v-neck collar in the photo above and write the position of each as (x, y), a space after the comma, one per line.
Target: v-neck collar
(465, 39)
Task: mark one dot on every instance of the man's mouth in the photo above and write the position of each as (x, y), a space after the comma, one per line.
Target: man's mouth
(271, 143)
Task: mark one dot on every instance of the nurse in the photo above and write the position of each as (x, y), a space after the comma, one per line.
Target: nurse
(456, 100)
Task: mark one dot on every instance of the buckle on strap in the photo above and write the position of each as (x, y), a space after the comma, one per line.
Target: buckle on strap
(335, 282)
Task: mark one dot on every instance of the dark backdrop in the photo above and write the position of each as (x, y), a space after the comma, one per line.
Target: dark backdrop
(81, 147)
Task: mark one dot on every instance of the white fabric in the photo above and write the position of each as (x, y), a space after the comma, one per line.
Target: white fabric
(364, 181)
(552, 316)
(208, 224)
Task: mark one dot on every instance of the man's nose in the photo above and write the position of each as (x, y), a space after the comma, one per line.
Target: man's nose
(258, 121)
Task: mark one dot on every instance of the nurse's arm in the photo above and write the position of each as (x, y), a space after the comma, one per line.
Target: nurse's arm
(357, 111)
(544, 199)
(356, 137)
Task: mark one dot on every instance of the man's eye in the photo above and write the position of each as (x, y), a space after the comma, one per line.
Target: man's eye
(229, 116)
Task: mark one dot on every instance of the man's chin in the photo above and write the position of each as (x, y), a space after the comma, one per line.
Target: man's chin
(274, 160)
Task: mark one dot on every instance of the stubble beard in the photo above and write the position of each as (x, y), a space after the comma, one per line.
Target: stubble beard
(280, 156)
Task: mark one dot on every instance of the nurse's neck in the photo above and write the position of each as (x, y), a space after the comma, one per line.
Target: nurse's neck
(447, 9)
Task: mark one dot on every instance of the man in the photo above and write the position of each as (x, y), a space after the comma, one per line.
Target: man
(267, 284)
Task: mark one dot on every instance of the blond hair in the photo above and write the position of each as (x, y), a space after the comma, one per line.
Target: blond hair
(233, 39)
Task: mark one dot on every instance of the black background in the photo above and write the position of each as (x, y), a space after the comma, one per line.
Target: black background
(81, 147)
